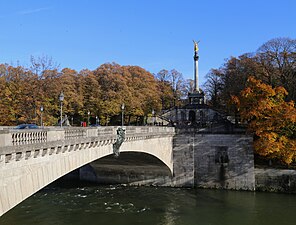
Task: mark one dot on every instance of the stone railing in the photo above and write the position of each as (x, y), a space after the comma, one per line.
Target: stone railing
(75, 133)
(32, 137)
(24, 144)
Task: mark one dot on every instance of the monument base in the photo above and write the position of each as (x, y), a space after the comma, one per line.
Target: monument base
(196, 98)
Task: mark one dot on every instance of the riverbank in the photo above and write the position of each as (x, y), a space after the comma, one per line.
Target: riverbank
(275, 180)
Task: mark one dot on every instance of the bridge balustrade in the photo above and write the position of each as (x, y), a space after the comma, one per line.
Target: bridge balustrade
(20, 138)
(24, 144)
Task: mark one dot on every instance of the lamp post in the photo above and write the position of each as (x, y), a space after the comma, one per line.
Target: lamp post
(41, 111)
(61, 98)
(88, 113)
(122, 114)
(96, 120)
(153, 118)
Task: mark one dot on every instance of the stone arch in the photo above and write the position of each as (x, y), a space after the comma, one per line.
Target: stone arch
(52, 164)
(130, 167)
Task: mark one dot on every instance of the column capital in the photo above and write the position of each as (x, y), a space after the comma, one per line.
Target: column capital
(195, 57)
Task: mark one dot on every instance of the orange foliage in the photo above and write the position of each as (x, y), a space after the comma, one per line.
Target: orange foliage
(270, 118)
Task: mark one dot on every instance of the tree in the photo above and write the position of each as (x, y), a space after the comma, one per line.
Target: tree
(274, 63)
(278, 60)
(214, 87)
(171, 86)
(102, 92)
(113, 83)
(72, 86)
(177, 82)
(144, 89)
(270, 118)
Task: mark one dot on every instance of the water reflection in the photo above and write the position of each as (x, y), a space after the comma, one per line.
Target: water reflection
(160, 206)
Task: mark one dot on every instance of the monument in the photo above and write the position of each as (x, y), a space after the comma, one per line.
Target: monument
(196, 113)
(197, 96)
(196, 57)
(209, 149)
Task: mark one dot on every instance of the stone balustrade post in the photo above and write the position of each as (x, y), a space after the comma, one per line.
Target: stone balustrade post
(92, 132)
(5, 138)
(55, 135)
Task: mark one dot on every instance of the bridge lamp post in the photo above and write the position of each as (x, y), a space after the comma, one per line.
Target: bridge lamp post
(122, 114)
(96, 120)
(88, 113)
(41, 111)
(61, 98)
(153, 118)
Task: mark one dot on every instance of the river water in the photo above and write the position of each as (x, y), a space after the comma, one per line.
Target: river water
(120, 205)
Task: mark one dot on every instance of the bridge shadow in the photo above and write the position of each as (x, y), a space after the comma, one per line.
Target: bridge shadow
(131, 168)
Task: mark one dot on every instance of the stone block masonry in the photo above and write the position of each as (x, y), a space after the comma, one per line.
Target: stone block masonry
(223, 161)
(275, 180)
(183, 172)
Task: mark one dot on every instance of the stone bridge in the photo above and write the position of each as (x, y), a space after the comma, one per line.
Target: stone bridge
(32, 159)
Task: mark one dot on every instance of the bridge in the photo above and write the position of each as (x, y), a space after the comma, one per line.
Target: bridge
(32, 159)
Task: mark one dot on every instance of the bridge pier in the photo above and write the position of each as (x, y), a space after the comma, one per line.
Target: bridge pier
(223, 161)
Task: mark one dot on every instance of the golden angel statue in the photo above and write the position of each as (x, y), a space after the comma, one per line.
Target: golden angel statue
(196, 45)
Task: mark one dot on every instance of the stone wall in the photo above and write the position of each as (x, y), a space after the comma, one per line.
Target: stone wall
(183, 175)
(224, 161)
(275, 180)
(213, 161)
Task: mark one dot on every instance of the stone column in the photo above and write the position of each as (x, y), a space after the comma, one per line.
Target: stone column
(196, 86)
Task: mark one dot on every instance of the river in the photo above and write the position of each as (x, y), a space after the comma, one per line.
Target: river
(122, 205)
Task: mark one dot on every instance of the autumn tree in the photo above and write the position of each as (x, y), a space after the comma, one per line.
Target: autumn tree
(45, 88)
(101, 92)
(17, 102)
(274, 63)
(131, 85)
(114, 88)
(171, 85)
(270, 118)
(144, 92)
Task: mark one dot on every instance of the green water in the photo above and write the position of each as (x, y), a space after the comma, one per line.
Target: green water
(118, 205)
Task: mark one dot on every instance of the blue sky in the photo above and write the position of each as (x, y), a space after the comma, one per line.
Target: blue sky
(153, 34)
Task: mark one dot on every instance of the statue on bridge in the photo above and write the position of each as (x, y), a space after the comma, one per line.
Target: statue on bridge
(119, 140)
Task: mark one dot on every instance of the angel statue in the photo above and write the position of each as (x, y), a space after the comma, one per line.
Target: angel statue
(195, 45)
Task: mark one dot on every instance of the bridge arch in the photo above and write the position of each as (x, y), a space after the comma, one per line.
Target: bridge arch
(131, 167)
(27, 168)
